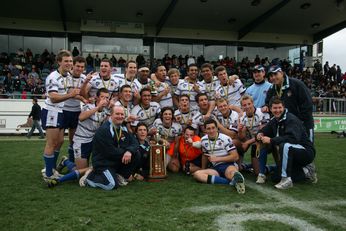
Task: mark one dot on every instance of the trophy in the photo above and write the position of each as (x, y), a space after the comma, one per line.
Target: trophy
(153, 88)
(157, 160)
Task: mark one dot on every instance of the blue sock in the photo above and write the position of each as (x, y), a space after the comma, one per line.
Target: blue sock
(70, 165)
(56, 155)
(262, 161)
(70, 153)
(217, 180)
(70, 176)
(49, 164)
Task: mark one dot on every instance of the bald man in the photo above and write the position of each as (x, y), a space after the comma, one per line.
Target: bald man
(114, 153)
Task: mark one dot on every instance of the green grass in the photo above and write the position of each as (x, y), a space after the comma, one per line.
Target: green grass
(178, 203)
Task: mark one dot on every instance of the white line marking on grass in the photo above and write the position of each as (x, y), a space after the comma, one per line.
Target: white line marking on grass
(277, 200)
(234, 221)
(306, 206)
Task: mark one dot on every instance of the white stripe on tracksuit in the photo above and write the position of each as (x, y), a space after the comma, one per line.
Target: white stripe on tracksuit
(110, 179)
(285, 156)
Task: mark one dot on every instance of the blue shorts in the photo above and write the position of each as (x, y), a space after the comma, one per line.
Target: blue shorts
(51, 119)
(82, 150)
(221, 168)
(197, 161)
(70, 119)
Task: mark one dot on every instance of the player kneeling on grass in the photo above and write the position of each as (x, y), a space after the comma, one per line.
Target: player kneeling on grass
(219, 150)
(90, 119)
(287, 132)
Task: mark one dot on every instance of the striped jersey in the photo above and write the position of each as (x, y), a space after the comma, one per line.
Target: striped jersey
(253, 123)
(168, 133)
(210, 88)
(86, 129)
(229, 122)
(121, 81)
(221, 146)
(73, 104)
(186, 88)
(97, 83)
(166, 101)
(232, 93)
(146, 116)
(55, 82)
(185, 116)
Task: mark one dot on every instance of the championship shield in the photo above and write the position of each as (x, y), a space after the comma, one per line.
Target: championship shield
(157, 161)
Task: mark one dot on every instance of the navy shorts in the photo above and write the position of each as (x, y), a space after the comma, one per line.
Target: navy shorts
(82, 150)
(221, 168)
(51, 119)
(70, 119)
(197, 161)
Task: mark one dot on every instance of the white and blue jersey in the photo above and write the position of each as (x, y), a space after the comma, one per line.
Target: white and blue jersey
(230, 122)
(232, 93)
(72, 82)
(170, 133)
(221, 146)
(166, 101)
(209, 88)
(55, 82)
(147, 115)
(97, 82)
(254, 123)
(86, 129)
(186, 88)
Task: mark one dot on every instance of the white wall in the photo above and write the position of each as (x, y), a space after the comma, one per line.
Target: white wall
(14, 112)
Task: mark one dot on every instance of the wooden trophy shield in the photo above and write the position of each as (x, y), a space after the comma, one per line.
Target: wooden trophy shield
(157, 162)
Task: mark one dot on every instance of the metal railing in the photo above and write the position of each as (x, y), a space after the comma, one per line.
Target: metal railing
(330, 106)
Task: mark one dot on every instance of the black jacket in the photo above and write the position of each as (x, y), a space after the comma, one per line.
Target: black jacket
(288, 129)
(106, 150)
(297, 99)
(35, 112)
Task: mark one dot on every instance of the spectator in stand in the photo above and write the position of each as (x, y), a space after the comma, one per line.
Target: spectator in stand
(90, 61)
(29, 56)
(8, 83)
(332, 72)
(97, 61)
(338, 74)
(318, 67)
(140, 60)
(121, 62)
(75, 52)
(114, 61)
(45, 55)
(33, 74)
(326, 68)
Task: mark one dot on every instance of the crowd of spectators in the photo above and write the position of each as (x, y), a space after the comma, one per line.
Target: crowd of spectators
(23, 74)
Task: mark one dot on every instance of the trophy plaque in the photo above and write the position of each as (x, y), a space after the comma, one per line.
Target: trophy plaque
(157, 161)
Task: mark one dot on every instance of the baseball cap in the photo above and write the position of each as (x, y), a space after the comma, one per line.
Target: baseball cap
(274, 69)
(258, 68)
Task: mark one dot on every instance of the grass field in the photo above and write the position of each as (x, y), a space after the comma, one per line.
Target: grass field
(178, 203)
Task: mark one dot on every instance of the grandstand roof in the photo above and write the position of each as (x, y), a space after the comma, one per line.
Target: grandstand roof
(238, 21)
